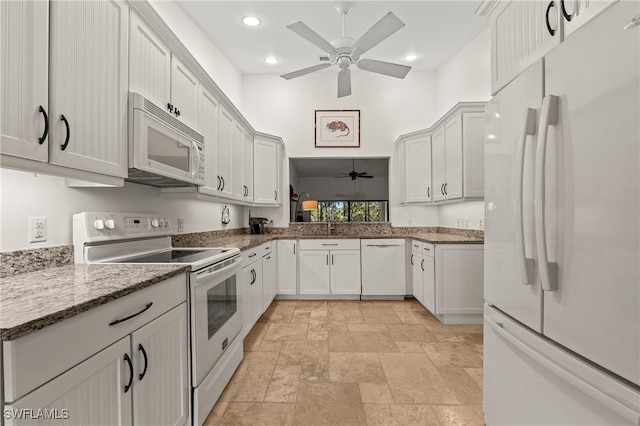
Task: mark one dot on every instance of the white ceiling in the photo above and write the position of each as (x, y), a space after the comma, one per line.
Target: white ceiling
(324, 167)
(435, 30)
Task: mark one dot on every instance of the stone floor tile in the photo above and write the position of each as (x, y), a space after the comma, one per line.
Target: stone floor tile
(279, 331)
(300, 317)
(255, 336)
(476, 375)
(414, 380)
(380, 314)
(283, 386)
(444, 354)
(376, 393)
(360, 341)
(463, 385)
(409, 333)
(312, 356)
(268, 345)
(250, 381)
(215, 416)
(409, 347)
(329, 404)
(399, 415)
(355, 367)
(467, 415)
(258, 414)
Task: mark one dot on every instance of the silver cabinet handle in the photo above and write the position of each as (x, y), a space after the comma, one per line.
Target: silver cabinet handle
(327, 244)
(327, 259)
(118, 321)
(251, 255)
(422, 265)
(332, 259)
(294, 248)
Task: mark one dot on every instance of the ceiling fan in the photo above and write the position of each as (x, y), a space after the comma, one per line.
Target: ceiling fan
(353, 174)
(345, 51)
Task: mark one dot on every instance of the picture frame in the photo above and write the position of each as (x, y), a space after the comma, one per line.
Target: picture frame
(337, 128)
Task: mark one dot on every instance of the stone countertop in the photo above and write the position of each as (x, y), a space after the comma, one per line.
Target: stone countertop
(248, 241)
(34, 300)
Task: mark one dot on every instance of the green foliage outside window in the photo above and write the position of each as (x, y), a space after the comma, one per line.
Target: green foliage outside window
(351, 211)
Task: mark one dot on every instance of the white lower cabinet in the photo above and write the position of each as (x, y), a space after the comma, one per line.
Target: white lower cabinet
(94, 392)
(251, 279)
(330, 267)
(268, 279)
(161, 371)
(448, 280)
(287, 275)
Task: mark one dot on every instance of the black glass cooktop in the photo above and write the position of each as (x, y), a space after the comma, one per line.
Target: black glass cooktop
(175, 256)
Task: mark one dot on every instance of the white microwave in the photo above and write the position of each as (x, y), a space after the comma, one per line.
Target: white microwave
(163, 151)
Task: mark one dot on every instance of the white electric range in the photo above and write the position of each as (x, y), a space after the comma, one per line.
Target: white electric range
(215, 319)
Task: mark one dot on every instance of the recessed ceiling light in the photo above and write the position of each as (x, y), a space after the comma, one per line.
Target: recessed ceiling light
(251, 21)
(410, 57)
(271, 60)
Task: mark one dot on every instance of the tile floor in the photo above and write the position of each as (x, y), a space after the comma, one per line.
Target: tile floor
(355, 363)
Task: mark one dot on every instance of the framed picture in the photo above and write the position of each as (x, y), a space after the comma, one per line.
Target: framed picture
(337, 129)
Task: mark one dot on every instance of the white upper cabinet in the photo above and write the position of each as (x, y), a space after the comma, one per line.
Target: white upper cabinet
(576, 13)
(417, 170)
(149, 64)
(238, 160)
(521, 32)
(184, 92)
(158, 74)
(400, 173)
(207, 122)
(225, 151)
(266, 170)
(453, 158)
(438, 150)
(24, 56)
(247, 166)
(88, 85)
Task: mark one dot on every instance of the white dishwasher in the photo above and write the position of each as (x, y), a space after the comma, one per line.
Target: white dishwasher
(383, 268)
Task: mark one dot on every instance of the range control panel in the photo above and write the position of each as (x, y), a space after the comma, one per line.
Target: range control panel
(105, 226)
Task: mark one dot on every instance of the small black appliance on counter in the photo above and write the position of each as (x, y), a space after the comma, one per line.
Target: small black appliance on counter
(256, 224)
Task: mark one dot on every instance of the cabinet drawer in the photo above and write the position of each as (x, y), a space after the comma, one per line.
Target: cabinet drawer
(265, 248)
(428, 249)
(38, 357)
(416, 245)
(330, 244)
(251, 255)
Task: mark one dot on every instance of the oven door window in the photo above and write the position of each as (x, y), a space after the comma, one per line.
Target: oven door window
(168, 151)
(221, 304)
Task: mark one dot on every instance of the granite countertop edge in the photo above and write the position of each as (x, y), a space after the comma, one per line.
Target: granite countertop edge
(38, 323)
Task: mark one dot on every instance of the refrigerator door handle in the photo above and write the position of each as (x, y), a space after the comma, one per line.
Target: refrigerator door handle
(548, 270)
(618, 403)
(527, 266)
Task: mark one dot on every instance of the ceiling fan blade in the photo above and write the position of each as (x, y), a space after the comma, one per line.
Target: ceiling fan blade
(366, 177)
(344, 83)
(386, 26)
(362, 173)
(311, 36)
(386, 68)
(341, 177)
(304, 71)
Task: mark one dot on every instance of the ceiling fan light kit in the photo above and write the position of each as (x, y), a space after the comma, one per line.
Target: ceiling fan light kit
(346, 51)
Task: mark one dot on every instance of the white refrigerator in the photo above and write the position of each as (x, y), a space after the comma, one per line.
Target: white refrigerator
(562, 238)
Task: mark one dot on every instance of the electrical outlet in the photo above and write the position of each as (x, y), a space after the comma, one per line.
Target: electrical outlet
(37, 229)
(466, 222)
(481, 222)
(459, 222)
(180, 224)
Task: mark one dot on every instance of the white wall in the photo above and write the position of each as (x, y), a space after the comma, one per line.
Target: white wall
(23, 195)
(466, 76)
(210, 57)
(471, 210)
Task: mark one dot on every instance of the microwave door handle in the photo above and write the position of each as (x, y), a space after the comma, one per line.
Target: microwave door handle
(526, 265)
(197, 157)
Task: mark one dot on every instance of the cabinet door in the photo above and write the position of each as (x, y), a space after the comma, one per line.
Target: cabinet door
(345, 272)
(208, 125)
(287, 276)
(438, 161)
(268, 280)
(266, 173)
(88, 104)
(225, 150)
(256, 292)
(24, 61)
(401, 173)
(418, 169)
(417, 273)
(453, 158)
(314, 272)
(581, 12)
(247, 166)
(519, 36)
(161, 386)
(149, 64)
(429, 283)
(237, 158)
(459, 279)
(91, 393)
(184, 92)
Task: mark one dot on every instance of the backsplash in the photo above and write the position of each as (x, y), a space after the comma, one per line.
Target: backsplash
(22, 261)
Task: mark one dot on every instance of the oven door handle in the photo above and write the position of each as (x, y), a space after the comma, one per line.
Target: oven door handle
(206, 277)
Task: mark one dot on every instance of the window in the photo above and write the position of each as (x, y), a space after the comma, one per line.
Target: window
(351, 211)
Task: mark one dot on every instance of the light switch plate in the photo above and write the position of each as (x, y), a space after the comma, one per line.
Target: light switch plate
(180, 224)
